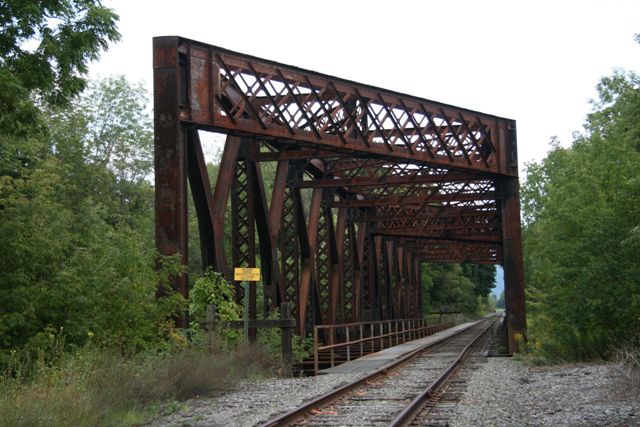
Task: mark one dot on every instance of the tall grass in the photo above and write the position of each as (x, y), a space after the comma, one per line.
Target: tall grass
(626, 365)
(94, 387)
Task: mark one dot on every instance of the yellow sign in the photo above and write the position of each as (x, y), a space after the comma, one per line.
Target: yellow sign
(246, 274)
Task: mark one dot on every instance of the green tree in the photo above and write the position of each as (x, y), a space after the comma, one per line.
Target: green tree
(449, 289)
(581, 207)
(500, 302)
(482, 275)
(45, 46)
(77, 257)
(462, 288)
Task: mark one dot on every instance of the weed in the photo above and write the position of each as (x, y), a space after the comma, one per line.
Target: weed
(93, 387)
(626, 364)
(172, 407)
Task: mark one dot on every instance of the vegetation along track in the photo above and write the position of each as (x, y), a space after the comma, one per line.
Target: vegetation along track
(393, 395)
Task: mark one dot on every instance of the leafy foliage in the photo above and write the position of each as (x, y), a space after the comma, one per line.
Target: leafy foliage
(500, 302)
(483, 277)
(77, 251)
(582, 210)
(271, 340)
(212, 288)
(462, 288)
(45, 46)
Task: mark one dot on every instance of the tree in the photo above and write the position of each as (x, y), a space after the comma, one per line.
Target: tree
(457, 287)
(45, 46)
(446, 288)
(482, 275)
(77, 257)
(582, 206)
(500, 302)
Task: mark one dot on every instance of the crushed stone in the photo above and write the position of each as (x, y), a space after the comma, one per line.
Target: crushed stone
(501, 392)
(505, 392)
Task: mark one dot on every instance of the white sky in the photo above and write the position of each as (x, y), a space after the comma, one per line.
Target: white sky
(535, 62)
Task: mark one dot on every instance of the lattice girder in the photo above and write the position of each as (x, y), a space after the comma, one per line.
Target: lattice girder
(240, 94)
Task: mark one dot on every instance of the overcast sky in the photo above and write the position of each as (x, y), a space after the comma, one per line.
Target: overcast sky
(535, 62)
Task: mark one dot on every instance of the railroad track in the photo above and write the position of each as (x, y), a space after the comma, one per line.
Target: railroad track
(398, 394)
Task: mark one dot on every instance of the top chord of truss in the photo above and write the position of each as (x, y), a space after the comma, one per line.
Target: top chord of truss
(247, 96)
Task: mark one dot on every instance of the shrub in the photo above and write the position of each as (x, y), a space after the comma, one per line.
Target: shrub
(271, 339)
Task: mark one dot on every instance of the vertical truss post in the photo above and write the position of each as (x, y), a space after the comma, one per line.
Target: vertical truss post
(357, 235)
(350, 269)
(512, 242)
(392, 277)
(325, 253)
(410, 288)
(345, 237)
(334, 270)
(243, 230)
(170, 161)
(341, 236)
(418, 278)
(402, 287)
(275, 224)
(512, 262)
(306, 264)
(311, 269)
(365, 296)
(288, 227)
(376, 310)
(382, 278)
(268, 260)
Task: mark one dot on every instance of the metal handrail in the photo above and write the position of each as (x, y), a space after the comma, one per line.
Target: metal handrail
(399, 329)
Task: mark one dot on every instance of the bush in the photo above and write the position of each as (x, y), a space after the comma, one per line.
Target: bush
(213, 288)
(271, 339)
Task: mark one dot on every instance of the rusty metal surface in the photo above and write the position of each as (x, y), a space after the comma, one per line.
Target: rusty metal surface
(170, 163)
(369, 184)
(241, 94)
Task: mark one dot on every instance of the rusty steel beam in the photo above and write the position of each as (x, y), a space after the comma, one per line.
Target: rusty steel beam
(437, 226)
(512, 263)
(399, 200)
(296, 155)
(202, 198)
(170, 165)
(445, 252)
(440, 215)
(453, 237)
(243, 227)
(387, 180)
(245, 95)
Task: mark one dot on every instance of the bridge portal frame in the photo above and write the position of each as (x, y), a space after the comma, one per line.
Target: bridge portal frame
(369, 184)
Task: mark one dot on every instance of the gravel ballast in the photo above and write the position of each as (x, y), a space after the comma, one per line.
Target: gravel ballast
(253, 402)
(504, 392)
(501, 392)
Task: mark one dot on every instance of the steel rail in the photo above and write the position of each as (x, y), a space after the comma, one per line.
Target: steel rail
(296, 413)
(408, 414)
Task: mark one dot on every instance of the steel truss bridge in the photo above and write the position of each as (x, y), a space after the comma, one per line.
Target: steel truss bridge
(369, 184)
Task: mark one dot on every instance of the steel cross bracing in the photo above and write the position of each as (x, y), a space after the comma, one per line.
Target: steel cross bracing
(369, 183)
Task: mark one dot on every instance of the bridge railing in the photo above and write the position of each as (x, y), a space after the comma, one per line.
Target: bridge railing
(353, 340)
